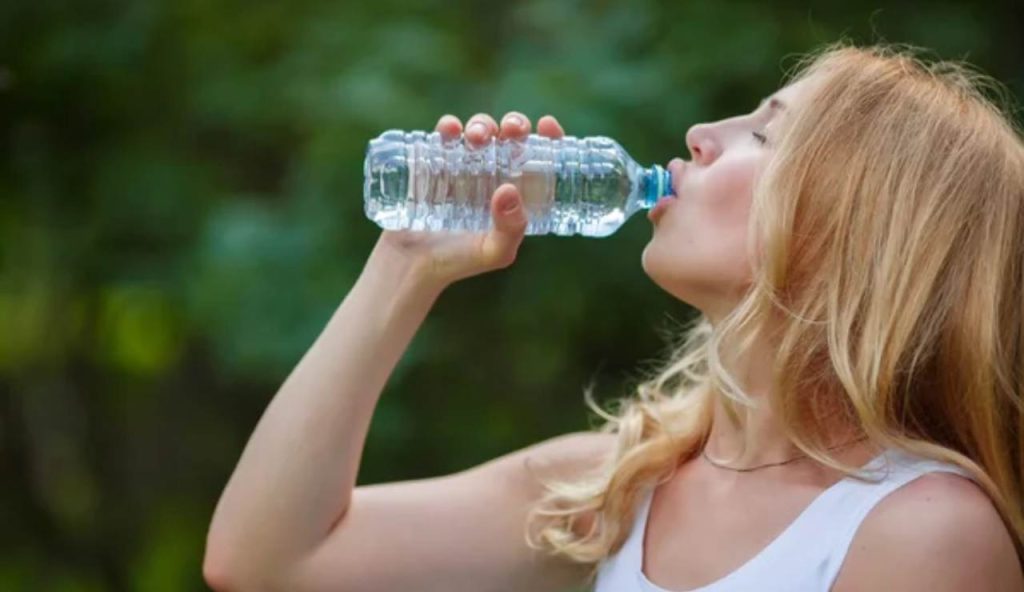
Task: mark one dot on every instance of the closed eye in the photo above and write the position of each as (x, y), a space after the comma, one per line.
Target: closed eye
(761, 138)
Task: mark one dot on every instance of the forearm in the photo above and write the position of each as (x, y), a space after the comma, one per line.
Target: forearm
(295, 477)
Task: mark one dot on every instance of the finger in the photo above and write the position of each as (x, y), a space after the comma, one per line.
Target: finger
(515, 126)
(549, 126)
(480, 128)
(449, 127)
(502, 241)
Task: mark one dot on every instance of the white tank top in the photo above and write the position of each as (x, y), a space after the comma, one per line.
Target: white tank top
(809, 552)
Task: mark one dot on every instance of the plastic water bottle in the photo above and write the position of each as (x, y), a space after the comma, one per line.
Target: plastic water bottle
(587, 186)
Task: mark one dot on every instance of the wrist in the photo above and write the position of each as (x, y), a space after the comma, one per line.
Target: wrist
(399, 273)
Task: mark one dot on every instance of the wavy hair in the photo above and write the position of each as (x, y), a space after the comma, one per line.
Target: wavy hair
(888, 278)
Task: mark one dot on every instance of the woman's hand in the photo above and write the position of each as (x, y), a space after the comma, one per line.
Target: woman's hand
(441, 258)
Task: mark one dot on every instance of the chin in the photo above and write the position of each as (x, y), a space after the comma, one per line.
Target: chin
(659, 267)
(678, 277)
(645, 258)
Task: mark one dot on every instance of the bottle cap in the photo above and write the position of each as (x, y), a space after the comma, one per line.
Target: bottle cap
(658, 183)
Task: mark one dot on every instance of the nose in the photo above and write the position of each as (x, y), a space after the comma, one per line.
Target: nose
(703, 147)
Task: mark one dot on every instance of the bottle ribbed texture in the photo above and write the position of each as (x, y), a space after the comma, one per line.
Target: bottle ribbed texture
(587, 186)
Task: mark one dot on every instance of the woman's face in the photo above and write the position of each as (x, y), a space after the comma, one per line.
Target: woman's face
(699, 251)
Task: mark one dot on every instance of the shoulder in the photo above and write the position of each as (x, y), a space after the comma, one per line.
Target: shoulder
(571, 456)
(569, 452)
(939, 532)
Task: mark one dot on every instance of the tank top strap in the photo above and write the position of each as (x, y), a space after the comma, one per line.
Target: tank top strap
(809, 552)
(852, 500)
(619, 570)
(635, 542)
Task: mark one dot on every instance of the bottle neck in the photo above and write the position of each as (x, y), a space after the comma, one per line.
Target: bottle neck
(655, 182)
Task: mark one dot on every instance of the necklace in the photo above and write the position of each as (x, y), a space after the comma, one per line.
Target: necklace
(722, 466)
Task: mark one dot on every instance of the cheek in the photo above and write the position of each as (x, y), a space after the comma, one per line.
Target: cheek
(702, 250)
(728, 184)
(718, 204)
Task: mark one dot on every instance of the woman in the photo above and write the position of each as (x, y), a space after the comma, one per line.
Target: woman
(855, 248)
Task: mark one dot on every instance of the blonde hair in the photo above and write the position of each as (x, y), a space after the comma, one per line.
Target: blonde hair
(889, 279)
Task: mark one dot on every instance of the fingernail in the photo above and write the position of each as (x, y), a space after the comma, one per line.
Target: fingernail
(509, 205)
(477, 128)
(515, 120)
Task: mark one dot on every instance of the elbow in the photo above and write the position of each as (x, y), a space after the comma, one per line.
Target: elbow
(225, 573)
(216, 573)
(225, 570)
(229, 564)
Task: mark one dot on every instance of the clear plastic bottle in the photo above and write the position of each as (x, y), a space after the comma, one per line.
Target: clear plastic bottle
(587, 186)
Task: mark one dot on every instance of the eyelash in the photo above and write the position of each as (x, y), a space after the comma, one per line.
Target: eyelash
(761, 138)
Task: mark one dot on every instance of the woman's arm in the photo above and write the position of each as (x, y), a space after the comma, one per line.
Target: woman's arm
(289, 519)
(296, 475)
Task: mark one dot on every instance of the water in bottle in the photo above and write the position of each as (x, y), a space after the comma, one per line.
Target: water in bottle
(587, 186)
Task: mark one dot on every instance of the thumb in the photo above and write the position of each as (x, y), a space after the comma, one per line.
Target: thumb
(510, 223)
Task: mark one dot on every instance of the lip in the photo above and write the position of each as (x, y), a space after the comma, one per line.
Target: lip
(659, 208)
(675, 169)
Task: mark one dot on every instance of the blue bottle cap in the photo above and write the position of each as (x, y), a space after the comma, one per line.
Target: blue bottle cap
(658, 183)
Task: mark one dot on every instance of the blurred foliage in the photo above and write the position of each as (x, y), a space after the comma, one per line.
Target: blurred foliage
(181, 211)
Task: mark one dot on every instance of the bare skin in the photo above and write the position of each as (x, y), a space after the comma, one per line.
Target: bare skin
(707, 521)
(291, 518)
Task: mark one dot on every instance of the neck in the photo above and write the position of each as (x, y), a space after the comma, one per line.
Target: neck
(758, 437)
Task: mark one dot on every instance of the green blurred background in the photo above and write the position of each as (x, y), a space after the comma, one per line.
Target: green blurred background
(181, 211)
